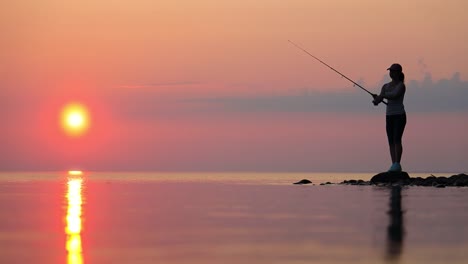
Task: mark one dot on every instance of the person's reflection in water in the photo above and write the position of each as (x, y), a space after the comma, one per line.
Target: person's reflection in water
(395, 231)
(73, 220)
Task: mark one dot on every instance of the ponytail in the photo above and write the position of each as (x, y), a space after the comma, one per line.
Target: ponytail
(402, 77)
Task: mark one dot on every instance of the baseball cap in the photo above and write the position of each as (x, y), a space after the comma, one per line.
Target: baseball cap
(396, 67)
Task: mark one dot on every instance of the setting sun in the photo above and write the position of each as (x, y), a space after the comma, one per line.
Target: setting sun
(75, 173)
(74, 119)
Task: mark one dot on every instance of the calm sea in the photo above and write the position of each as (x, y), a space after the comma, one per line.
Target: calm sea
(225, 218)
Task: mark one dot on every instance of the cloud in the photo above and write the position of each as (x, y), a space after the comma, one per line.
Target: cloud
(302, 102)
(445, 95)
(422, 66)
(158, 85)
(188, 99)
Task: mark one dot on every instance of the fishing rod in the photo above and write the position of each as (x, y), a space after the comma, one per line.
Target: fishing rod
(342, 75)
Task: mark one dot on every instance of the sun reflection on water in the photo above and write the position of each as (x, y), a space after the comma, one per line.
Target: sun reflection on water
(73, 220)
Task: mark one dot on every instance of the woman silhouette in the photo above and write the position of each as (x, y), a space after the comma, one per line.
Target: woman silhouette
(394, 92)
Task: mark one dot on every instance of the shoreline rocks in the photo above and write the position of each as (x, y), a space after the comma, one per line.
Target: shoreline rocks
(390, 177)
(403, 179)
(303, 181)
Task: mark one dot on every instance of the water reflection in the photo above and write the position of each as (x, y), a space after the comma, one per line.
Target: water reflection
(73, 220)
(395, 230)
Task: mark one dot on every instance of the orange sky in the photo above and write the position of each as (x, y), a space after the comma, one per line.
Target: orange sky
(122, 57)
(127, 42)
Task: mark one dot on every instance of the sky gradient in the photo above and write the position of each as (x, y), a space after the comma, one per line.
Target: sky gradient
(215, 85)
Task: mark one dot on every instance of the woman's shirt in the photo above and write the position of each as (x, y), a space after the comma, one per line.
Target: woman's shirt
(395, 93)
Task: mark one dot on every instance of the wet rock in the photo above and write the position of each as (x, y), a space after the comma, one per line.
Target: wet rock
(417, 181)
(459, 180)
(442, 180)
(391, 177)
(429, 181)
(459, 184)
(303, 181)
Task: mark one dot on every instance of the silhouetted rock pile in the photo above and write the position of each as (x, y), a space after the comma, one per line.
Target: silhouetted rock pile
(402, 178)
(304, 181)
(390, 177)
(356, 182)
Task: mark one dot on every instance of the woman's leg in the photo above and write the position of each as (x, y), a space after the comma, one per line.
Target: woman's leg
(391, 137)
(398, 152)
(393, 153)
(400, 128)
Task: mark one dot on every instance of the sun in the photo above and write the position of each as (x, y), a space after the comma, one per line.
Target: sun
(75, 119)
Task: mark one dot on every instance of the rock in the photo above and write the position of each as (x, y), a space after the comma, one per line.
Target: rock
(386, 179)
(417, 181)
(429, 181)
(391, 177)
(442, 180)
(303, 181)
(459, 180)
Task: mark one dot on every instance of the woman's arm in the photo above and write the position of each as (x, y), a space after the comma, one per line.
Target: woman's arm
(379, 98)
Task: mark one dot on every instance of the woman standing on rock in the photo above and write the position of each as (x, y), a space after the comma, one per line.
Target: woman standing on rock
(394, 92)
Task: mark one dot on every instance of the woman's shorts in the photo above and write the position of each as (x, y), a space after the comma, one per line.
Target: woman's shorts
(395, 127)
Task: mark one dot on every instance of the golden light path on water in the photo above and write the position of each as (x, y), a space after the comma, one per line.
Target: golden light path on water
(73, 220)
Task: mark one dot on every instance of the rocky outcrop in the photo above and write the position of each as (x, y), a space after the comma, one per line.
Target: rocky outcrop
(390, 177)
(304, 181)
(402, 178)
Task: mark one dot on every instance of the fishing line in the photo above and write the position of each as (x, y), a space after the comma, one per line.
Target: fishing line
(342, 75)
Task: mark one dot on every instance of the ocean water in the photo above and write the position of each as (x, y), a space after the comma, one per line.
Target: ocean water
(208, 218)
